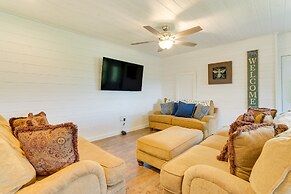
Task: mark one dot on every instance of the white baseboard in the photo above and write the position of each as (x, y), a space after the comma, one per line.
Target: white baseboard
(114, 133)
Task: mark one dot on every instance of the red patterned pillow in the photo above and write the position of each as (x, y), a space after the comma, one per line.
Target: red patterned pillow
(31, 120)
(49, 148)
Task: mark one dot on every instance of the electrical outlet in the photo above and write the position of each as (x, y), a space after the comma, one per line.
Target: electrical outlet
(122, 118)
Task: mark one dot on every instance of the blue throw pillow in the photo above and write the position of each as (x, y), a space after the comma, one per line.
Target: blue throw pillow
(175, 108)
(167, 108)
(185, 110)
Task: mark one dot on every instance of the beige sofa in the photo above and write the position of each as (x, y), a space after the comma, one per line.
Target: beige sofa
(97, 171)
(198, 171)
(207, 124)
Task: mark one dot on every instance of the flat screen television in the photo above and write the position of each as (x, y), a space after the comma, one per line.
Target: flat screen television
(120, 75)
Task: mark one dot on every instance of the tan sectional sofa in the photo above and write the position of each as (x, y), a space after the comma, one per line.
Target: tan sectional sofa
(207, 124)
(198, 171)
(97, 171)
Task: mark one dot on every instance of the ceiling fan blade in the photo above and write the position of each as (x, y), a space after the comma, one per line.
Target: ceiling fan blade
(152, 30)
(135, 43)
(188, 32)
(185, 43)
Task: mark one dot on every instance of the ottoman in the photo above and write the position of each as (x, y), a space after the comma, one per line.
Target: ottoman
(158, 148)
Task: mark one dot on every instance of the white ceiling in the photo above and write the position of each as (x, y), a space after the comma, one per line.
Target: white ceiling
(121, 21)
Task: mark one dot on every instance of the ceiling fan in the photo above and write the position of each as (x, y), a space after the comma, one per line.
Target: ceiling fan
(166, 39)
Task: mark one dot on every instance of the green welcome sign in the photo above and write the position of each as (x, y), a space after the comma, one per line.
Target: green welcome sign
(253, 79)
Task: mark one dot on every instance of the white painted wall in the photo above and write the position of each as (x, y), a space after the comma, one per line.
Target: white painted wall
(231, 99)
(284, 51)
(47, 69)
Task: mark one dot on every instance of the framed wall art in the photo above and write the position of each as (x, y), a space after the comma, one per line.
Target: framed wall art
(220, 73)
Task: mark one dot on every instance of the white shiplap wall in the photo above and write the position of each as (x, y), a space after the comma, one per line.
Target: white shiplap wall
(231, 99)
(284, 51)
(47, 69)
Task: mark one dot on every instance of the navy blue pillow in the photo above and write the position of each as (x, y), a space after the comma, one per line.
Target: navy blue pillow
(185, 110)
(175, 108)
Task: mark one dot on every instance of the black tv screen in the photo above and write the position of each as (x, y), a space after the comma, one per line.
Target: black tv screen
(121, 75)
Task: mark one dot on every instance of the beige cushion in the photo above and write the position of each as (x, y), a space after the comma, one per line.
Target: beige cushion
(245, 146)
(15, 170)
(49, 148)
(113, 166)
(172, 172)
(274, 165)
(6, 134)
(188, 123)
(161, 118)
(167, 144)
(215, 141)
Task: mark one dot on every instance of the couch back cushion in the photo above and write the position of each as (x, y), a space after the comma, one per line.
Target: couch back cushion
(6, 134)
(272, 171)
(15, 170)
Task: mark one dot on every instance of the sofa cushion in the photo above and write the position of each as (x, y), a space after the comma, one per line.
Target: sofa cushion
(49, 148)
(6, 134)
(15, 170)
(113, 166)
(245, 146)
(188, 123)
(167, 108)
(274, 165)
(215, 141)
(172, 173)
(161, 118)
(167, 144)
(185, 110)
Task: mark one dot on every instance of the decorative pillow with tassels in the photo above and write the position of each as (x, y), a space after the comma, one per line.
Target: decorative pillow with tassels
(31, 120)
(245, 146)
(49, 148)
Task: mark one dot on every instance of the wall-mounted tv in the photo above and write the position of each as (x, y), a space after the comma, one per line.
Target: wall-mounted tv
(121, 75)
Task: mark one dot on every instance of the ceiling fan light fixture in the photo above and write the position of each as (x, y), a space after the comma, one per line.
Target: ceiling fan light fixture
(166, 43)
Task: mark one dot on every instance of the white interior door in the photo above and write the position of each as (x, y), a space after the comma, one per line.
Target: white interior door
(286, 83)
(186, 86)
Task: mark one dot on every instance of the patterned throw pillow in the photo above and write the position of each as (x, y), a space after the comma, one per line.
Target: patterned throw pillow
(49, 148)
(31, 120)
(167, 108)
(200, 111)
(264, 117)
(258, 111)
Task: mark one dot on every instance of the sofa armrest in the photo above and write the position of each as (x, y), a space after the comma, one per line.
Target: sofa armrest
(157, 112)
(82, 177)
(208, 179)
(207, 118)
